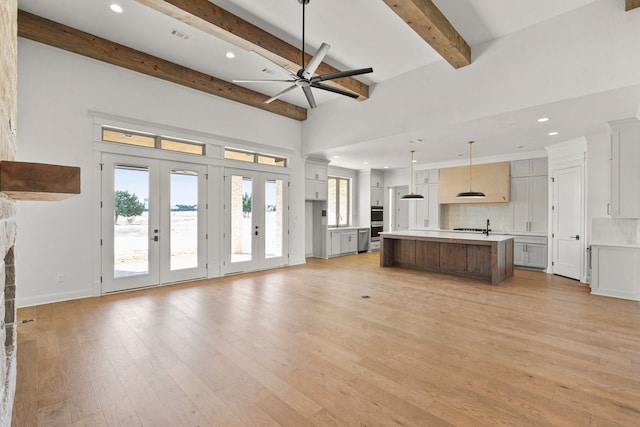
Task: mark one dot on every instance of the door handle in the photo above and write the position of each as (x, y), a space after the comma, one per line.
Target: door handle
(256, 232)
(154, 238)
(577, 237)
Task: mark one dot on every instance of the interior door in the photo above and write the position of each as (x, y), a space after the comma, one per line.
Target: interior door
(256, 227)
(567, 223)
(153, 222)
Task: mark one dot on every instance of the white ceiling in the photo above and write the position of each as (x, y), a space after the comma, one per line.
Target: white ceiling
(362, 33)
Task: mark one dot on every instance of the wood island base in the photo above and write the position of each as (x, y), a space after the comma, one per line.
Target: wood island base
(485, 258)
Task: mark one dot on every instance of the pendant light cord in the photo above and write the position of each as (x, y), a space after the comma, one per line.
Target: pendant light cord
(470, 157)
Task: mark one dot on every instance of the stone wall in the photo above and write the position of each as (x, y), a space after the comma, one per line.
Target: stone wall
(8, 126)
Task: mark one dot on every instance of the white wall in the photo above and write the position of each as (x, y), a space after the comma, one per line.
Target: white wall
(56, 91)
(583, 52)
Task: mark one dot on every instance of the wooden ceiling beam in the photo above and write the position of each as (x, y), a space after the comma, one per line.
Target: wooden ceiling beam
(212, 19)
(54, 34)
(430, 24)
(631, 4)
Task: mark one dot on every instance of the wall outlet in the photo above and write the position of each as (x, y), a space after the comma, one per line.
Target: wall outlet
(60, 278)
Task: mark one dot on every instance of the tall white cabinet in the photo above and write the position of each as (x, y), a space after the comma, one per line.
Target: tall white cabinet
(529, 190)
(427, 210)
(625, 174)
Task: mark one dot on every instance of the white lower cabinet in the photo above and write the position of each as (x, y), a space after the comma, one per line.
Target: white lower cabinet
(615, 271)
(530, 251)
(343, 242)
(349, 242)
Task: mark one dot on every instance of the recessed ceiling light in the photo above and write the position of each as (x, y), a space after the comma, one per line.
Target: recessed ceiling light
(336, 157)
(543, 119)
(366, 163)
(386, 167)
(116, 8)
(553, 133)
(520, 146)
(413, 161)
(230, 55)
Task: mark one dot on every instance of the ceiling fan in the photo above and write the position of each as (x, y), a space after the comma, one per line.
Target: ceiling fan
(305, 79)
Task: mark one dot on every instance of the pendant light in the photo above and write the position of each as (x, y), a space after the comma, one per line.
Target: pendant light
(411, 195)
(471, 194)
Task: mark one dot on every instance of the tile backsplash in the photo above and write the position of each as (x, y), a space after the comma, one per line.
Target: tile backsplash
(475, 216)
(615, 230)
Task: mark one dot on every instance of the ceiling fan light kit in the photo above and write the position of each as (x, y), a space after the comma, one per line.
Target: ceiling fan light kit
(305, 78)
(411, 195)
(471, 194)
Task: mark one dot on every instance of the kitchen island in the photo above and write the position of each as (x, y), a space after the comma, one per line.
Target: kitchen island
(488, 258)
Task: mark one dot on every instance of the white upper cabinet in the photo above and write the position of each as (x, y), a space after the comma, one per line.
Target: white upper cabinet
(427, 209)
(316, 174)
(625, 173)
(531, 167)
(377, 179)
(529, 187)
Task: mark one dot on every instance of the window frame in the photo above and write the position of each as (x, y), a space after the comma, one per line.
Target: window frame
(158, 141)
(257, 157)
(337, 224)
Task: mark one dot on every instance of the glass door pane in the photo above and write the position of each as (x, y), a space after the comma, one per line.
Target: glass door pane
(273, 218)
(241, 218)
(131, 221)
(183, 252)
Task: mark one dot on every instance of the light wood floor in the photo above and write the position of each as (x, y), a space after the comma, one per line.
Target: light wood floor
(299, 346)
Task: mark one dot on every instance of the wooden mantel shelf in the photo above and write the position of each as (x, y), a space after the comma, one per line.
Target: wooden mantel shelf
(38, 181)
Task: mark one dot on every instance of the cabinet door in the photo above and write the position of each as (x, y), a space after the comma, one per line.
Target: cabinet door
(625, 178)
(433, 207)
(348, 243)
(315, 190)
(422, 177)
(616, 272)
(536, 255)
(377, 179)
(520, 168)
(538, 167)
(520, 203)
(538, 188)
(519, 255)
(422, 206)
(377, 196)
(335, 237)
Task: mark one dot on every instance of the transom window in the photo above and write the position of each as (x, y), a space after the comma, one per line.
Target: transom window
(253, 157)
(338, 202)
(141, 139)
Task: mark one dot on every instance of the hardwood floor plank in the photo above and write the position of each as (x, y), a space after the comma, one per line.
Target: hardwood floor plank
(299, 346)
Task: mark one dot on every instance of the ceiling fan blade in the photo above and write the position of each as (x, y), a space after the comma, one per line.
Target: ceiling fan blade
(273, 98)
(262, 81)
(334, 90)
(309, 95)
(341, 74)
(315, 61)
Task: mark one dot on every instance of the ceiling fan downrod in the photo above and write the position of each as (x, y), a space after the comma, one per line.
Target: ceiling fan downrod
(303, 3)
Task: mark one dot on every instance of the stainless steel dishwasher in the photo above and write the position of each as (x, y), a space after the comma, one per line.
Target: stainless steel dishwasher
(363, 240)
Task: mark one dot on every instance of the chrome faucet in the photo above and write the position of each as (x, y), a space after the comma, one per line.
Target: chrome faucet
(486, 230)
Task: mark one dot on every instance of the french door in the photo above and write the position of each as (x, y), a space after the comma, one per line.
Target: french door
(153, 222)
(256, 222)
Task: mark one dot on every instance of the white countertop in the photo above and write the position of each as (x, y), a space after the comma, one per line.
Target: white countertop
(448, 235)
(616, 244)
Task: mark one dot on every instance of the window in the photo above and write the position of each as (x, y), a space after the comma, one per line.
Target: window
(251, 157)
(140, 139)
(338, 202)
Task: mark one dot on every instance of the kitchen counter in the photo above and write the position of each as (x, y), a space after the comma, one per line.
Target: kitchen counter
(488, 258)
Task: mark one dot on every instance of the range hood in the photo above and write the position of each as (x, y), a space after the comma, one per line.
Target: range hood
(493, 178)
